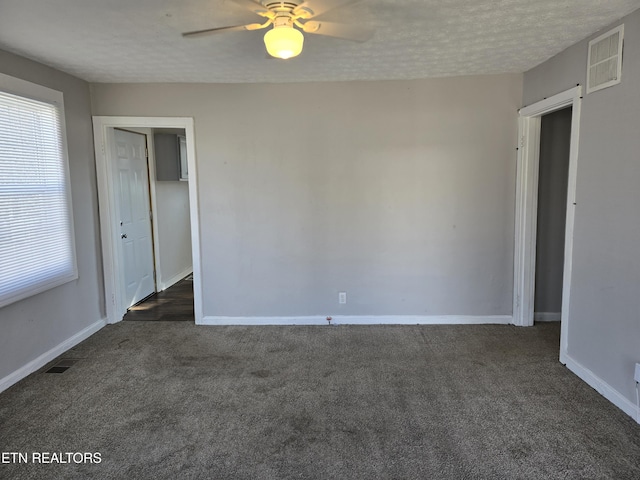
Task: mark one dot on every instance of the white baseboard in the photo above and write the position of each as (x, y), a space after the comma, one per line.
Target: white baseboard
(175, 279)
(546, 316)
(602, 387)
(362, 320)
(46, 357)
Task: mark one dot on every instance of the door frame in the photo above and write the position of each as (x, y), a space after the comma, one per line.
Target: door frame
(102, 125)
(529, 122)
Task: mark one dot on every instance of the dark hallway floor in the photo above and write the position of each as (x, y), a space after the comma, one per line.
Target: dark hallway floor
(175, 304)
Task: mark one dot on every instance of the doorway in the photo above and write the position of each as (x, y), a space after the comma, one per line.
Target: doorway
(529, 128)
(172, 298)
(553, 176)
(174, 193)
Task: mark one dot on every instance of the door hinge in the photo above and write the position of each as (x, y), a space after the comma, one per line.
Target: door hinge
(522, 140)
(151, 215)
(146, 152)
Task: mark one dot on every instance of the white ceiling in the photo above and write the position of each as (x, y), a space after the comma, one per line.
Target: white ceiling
(140, 41)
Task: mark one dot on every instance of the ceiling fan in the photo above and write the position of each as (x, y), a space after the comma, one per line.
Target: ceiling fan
(283, 40)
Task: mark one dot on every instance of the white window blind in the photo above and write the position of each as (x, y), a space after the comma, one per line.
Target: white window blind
(37, 251)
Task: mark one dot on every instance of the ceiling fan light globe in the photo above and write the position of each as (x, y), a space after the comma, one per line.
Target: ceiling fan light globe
(284, 42)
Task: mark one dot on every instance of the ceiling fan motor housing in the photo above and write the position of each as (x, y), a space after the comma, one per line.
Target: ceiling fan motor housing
(275, 6)
(287, 8)
(283, 21)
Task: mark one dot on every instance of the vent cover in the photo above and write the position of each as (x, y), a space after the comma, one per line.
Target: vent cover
(604, 67)
(62, 365)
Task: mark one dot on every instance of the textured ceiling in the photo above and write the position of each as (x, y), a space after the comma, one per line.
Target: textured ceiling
(140, 41)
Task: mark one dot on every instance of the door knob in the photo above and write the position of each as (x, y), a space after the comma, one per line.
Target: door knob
(124, 235)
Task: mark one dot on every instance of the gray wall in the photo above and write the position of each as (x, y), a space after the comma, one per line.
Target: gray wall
(31, 327)
(555, 140)
(400, 193)
(604, 323)
(174, 229)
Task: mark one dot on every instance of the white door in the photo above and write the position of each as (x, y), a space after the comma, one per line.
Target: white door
(131, 179)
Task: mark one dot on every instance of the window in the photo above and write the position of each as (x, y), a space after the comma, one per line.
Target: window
(37, 250)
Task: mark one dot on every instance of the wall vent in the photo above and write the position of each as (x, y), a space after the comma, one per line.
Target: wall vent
(604, 66)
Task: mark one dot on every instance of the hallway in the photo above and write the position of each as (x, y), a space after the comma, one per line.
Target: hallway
(175, 304)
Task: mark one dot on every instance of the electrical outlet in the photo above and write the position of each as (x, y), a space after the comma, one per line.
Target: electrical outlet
(637, 375)
(342, 298)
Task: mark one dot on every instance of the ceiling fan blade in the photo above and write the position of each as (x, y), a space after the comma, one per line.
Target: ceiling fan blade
(211, 31)
(357, 33)
(313, 8)
(255, 7)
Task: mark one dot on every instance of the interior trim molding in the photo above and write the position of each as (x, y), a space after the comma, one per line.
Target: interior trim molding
(528, 156)
(547, 316)
(46, 357)
(602, 387)
(362, 320)
(102, 128)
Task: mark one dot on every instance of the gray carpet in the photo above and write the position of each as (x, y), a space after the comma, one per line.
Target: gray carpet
(173, 400)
